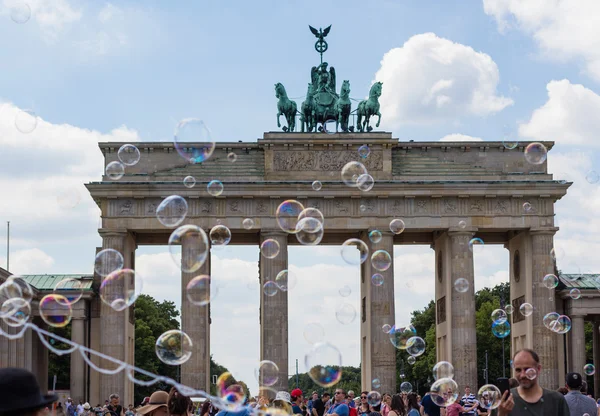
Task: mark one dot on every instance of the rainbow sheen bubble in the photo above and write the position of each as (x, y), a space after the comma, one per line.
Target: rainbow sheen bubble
(374, 398)
(345, 291)
(526, 309)
(561, 325)
(399, 336)
(397, 226)
(364, 151)
(173, 347)
(219, 235)
(26, 121)
(386, 328)
(589, 369)
(376, 383)
(411, 360)
(287, 215)
(527, 207)
(501, 329)
(531, 373)
(365, 182)
(550, 281)
(444, 392)
(309, 231)
(329, 126)
(285, 280)
(345, 314)
(314, 333)
(172, 211)
(189, 182)
(324, 364)
(215, 187)
(375, 236)
(475, 242)
(189, 247)
(121, 288)
(230, 392)
(381, 260)
(115, 170)
(499, 315)
(406, 387)
(443, 369)
(535, 153)
(592, 177)
(70, 288)
(248, 223)
(232, 157)
(68, 198)
(16, 287)
(55, 310)
(509, 309)
(351, 172)
(107, 261)
(269, 248)
(270, 288)
(462, 224)
(549, 318)
(15, 312)
(461, 285)
(317, 185)
(200, 291)
(129, 155)
(489, 396)
(193, 140)
(377, 279)
(575, 293)
(354, 251)
(509, 144)
(266, 373)
(20, 12)
(312, 213)
(415, 346)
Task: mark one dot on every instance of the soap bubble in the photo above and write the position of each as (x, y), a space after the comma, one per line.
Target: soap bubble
(70, 288)
(444, 392)
(267, 373)
(375, 236)
(55, 310)
(443, 369)
(501, 329)
(400, 336)
(589, 369)
(15, 312)
(509, 309)
(115, 170)
(536, 153)
(386, 328)
(215, 187)
(415, 346)
(173, 347)
(374, 398)
(345, 291)
(377, 279)
(549, 318)
(365, 182)
(345, 314)
(20, 12)
(269, 248)
(129, 155)
(230, 392)
(324, 364)
(575, 293)
(287, 215)
(592, 177)
(526, 309)
(329, 126)
(200, 291)
(381, 260)
(474, 242)
(309, 231)
(193, 140)
(189, 247)
(411, 360)
(26, 121)
(68, 198)
(107, 261)
(317, 185)
(499, 315)
(248, 223)
(16, 287)
(172, 211)
(189, 182)
(531, 373)
(232, 157)
(362, 207)
(397, 226)
(364, 151)
(270, 288)
(220, 235)
(121, 288)
(526, 206)
(561, 325)
(406, 387)
(376, 383)
(462, 224)
(550, 281)
(348, 251)
(351, 172)
(314, 333)
(312, 213)
(489, 396)
(285, 280)
(461, 285)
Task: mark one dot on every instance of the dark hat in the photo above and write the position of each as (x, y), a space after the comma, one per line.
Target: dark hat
(19, 390)
(574, 380)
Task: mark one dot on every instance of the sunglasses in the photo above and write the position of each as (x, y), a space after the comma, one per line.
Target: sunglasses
(363, 397)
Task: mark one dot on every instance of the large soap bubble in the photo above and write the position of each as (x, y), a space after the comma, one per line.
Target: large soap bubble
(324, 364)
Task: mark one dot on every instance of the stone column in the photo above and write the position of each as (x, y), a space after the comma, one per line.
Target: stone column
(596, 355)
(77, 378)
(195, 322)
(577, 335)
(463, 333)
(545, 342)
(378, 354)
(274, 310)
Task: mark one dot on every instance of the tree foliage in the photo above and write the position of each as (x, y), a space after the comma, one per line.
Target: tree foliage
(350, 381)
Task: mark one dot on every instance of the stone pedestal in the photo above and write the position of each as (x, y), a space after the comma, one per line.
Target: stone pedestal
(77, 378)
(195, 322)
(274, 310)
(378, 354)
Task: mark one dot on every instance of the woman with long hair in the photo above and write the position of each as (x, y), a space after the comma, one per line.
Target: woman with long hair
(363, 409)
(178, 404)
(385, 404)
(413, 405)
(397, 406)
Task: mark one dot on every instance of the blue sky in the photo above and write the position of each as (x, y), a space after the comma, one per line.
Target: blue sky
(128, 71)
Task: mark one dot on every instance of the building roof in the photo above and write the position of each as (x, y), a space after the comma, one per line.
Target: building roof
(579, 281)
(49, 281)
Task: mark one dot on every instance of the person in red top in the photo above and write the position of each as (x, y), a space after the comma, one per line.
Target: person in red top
(455, 409)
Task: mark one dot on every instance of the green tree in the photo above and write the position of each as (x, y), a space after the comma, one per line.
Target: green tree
(60, 365)
(350, 381)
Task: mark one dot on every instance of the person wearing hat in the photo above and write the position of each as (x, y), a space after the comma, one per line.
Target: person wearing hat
(579, 404)
(87, 410)
(282, 401)
(157, 405)
(20, 394)
(297, 401)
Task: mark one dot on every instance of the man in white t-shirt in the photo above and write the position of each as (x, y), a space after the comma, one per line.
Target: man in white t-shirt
(80, 408)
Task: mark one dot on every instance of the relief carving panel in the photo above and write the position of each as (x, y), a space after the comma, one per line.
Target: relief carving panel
(327, 160)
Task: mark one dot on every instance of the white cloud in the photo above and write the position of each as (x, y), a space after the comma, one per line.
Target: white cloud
(29, 261)
(568, 117)
(458, 137)
(564, 30)
(432, 79)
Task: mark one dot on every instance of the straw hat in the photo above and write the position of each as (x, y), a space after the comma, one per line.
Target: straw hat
(157, 399)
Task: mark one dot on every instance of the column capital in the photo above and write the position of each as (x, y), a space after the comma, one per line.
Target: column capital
(543, 231)
(116, 232)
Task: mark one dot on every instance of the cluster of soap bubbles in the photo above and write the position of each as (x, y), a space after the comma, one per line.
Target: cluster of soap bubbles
(560, 324)
(127, 155)
(355, 175)
(307, 224)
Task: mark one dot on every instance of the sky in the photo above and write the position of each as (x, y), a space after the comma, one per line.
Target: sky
(129, 71)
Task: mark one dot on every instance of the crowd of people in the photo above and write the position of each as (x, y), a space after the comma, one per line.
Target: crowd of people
(20, 395)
